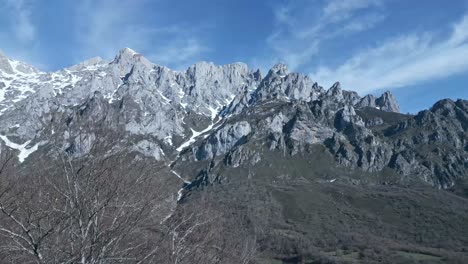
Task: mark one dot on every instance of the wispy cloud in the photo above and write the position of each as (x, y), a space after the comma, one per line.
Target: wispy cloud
(106, 26)
(402, 61)
(19, 38)
(22, 26)
(302, 27)
(338, 10)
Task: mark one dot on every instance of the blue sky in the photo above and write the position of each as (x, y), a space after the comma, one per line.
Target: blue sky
(416, 49)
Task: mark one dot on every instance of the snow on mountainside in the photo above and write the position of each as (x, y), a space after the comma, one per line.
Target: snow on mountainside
(165, 107)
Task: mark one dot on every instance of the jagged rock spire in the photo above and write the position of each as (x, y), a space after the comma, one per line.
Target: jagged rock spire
(387, 102)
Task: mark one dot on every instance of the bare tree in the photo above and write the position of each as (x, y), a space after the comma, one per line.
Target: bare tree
(94, 209)
(201, 232)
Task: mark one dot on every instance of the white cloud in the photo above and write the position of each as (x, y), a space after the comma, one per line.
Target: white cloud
(402, 61)
(106, 26)
(22, 26)
(337, 10)
(18, 37)
(303, 27)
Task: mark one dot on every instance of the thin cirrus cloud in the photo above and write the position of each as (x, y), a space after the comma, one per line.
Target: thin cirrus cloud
(403, 61)
(104, 27)
(19, 38)
(22, 26)
(302, 28)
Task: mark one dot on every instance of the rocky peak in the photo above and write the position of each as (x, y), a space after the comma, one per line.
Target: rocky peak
(279, 69)
(127, 58)
(9, 66)
(87, 63)
(447, 113)
(444, 105)
(5, 65)
(367, 101)
(210, 86)
(335, 91)
(282, 85)
(126, 53)
(387, 103)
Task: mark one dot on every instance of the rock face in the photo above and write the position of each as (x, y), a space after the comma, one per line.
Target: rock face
(386, 102)
(223, 140)
(5, 66)
(218, 113)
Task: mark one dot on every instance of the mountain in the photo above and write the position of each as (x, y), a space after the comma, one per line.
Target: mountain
(226, 166)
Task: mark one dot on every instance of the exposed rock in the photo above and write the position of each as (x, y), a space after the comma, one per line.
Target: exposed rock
(387, 103)
(5, 65)
(347, 116)
(149, 149)
(375, 121)
(367, 101)
(223, 140)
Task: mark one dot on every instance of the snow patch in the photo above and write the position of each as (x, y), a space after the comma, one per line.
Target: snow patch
(180, 193)
(230, 99)
(24, 152)
(166, 100)
(192, 139)
(168, 140)
(180, 177)
(111, 96)
(129, 50)
(2, 94)
(214, 112)
(194, 136)
(181, 93)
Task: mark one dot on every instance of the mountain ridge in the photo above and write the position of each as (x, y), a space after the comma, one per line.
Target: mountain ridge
(170, 110)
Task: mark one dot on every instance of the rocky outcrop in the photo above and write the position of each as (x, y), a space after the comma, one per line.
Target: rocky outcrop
(223, 140)
(5, 65)
(367, 101)
(387, 103)
(280, 84)
(347, 116)
(149, 149)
